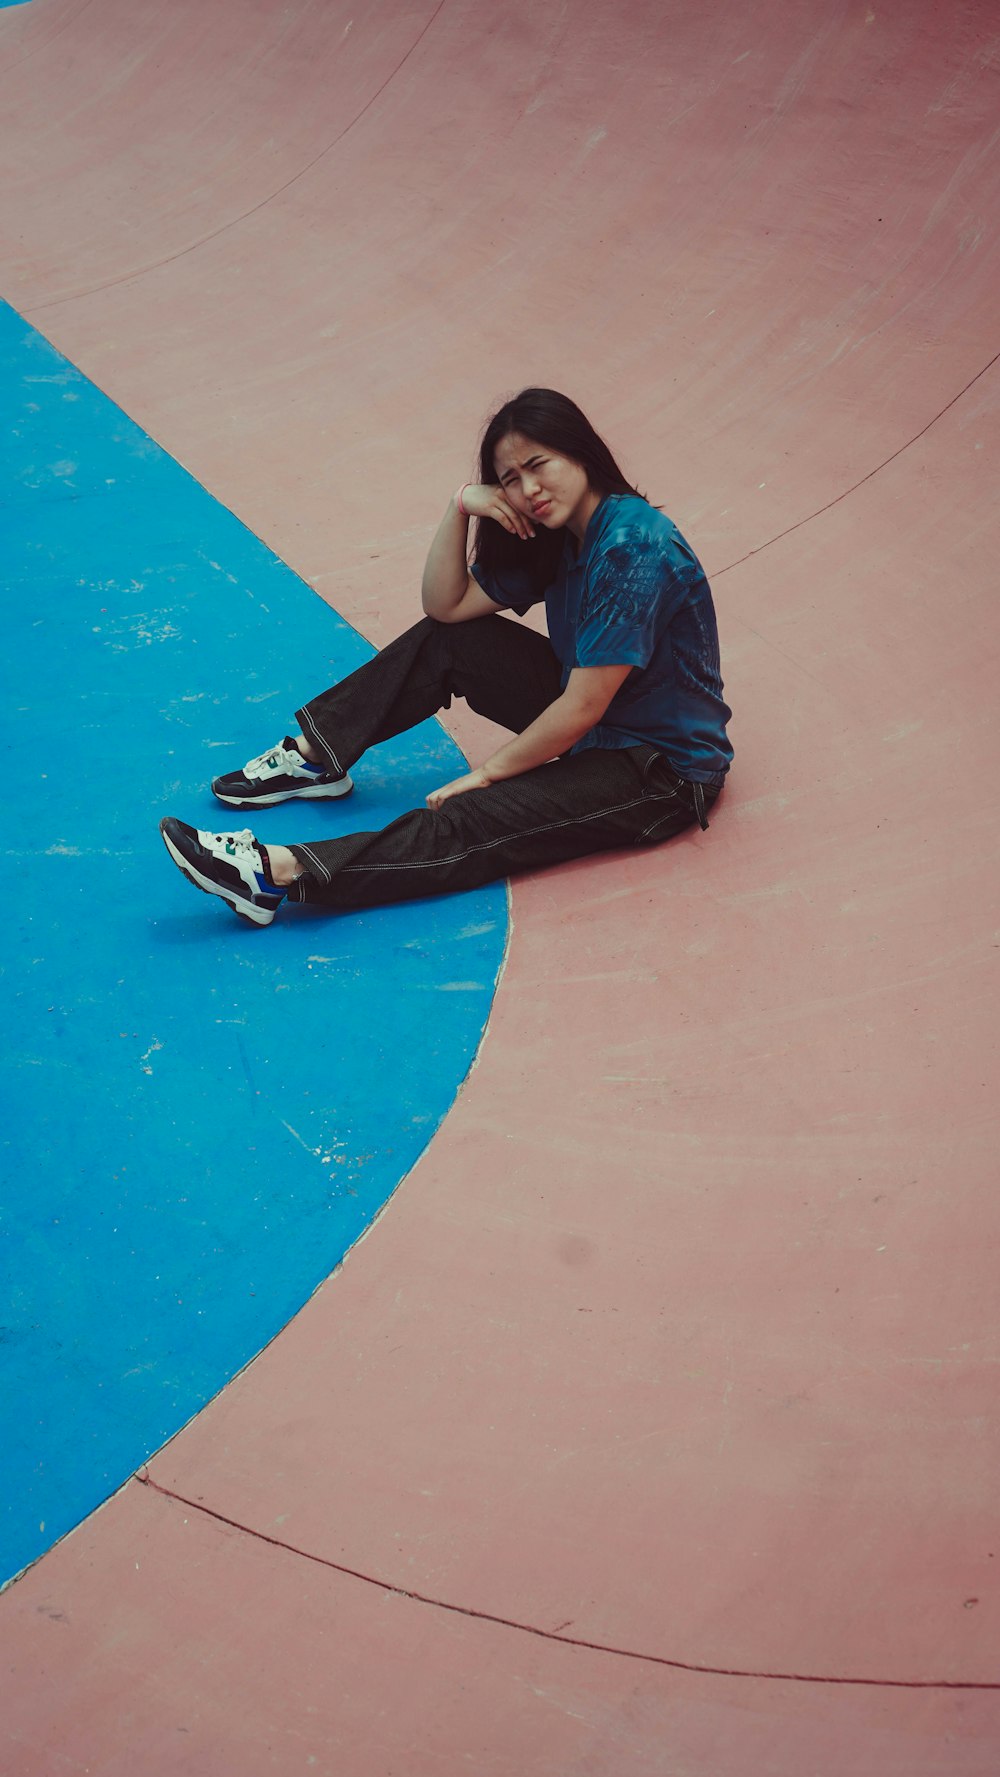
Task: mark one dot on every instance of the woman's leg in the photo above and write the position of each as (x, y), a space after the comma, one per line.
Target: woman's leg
(503, 670)
(583, 803)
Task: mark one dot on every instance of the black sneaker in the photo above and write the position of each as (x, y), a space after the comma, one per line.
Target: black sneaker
(277, 776)
(227, 864)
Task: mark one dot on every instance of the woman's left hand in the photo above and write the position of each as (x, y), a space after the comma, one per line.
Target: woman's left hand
(473, 780)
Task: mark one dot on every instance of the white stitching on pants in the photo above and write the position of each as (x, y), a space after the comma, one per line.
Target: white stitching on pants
(322, 743)
(504, 839)
(321, 869)
(646, 831)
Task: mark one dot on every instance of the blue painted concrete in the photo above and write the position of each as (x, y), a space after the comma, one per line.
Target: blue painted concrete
(201, 1116)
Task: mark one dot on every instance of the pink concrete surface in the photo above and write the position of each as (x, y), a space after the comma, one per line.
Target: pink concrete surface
(218, 1654)
(681, 1339)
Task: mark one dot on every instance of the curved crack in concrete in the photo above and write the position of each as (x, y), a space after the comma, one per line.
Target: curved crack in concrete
(140, 271)
(145, 1479)
(716, 573)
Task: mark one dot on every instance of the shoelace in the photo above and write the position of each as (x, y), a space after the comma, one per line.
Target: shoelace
(244, 842)
(273, 756)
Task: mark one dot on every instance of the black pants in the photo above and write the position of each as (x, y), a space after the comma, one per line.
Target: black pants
(581, 803)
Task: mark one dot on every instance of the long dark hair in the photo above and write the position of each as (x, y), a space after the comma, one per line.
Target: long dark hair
(548, 418)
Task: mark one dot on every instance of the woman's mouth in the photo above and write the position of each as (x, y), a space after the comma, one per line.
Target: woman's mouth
(543, 507)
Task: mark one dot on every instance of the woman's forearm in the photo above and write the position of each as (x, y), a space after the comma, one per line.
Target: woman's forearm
(580, 707)
(551, 733)
(446, 571)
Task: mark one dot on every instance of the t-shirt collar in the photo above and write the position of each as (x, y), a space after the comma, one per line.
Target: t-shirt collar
(594, 526)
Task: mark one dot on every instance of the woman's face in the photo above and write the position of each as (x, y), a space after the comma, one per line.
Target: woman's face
(548, 489)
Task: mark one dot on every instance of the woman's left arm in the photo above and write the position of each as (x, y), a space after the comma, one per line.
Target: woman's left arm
(588, 692)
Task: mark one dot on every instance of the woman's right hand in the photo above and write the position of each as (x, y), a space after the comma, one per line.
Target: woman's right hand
(492, 502)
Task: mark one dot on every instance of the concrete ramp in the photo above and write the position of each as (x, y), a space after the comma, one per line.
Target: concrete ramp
(651, 1433)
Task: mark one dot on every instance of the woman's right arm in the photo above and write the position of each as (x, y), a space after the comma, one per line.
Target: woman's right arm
(448, 591)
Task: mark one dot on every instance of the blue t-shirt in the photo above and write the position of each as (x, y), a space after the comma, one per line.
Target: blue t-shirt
(637, 596)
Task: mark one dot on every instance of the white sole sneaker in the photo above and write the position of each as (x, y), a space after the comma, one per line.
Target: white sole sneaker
(245, 904)
(309, 793)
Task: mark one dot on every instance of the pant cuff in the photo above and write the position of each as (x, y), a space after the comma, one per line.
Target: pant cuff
(299, 889)
(322, 746)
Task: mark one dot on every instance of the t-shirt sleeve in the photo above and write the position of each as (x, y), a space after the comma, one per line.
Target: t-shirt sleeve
(510, 588)
(622, 603)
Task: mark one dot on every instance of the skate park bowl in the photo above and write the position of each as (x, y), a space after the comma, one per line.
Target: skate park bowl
(546, 1333)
